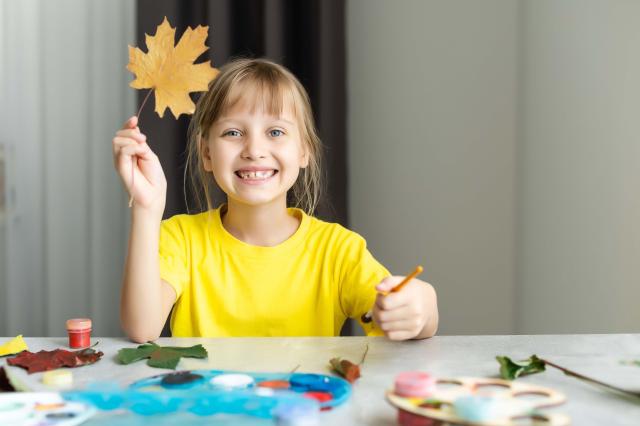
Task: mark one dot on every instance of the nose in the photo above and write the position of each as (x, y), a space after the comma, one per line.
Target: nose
(254, 147)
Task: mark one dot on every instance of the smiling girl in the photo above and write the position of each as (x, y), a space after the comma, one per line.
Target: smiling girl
(253, 266)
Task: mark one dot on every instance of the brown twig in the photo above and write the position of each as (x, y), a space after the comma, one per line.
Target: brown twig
(133, 161)
(590, 380)
(364, 355)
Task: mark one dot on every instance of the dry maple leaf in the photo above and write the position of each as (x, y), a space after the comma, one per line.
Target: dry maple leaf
(169, 70)
(34, 362)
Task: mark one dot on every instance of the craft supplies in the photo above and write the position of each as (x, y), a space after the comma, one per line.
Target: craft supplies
(160, 356)
(79, 331)
(414, 384)
(51, 360)
(13, 346)
(232, 381)
(182, 379)
(477, 408)
(208, 392)
(58, 378)
(366, 318)
(477, 401)
(347, 369)
(297, 415)
(274, 384)
(41, 409)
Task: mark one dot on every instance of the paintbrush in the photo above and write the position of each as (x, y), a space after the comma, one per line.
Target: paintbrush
(366, 318)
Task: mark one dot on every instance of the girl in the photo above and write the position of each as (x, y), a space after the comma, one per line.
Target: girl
(252, 266)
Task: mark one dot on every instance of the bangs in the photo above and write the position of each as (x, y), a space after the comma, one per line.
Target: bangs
(267, 92)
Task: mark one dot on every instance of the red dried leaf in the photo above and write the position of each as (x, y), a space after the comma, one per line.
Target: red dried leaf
(351, 370)
(346, 369)
(51, 360)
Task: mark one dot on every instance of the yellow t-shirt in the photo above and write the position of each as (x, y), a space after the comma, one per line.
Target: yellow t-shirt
(306, 286)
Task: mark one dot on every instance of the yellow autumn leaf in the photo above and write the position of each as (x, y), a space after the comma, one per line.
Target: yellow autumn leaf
(170, 70)
(13, 346)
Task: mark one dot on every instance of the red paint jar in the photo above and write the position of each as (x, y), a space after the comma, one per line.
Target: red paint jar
(79, 331)
(414, 384)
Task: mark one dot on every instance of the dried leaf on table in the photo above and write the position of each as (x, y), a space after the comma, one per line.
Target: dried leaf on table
(169, 70)
(5, 383)
(160, 356)
(346, 369)
(510, 370)
(13, 346)
(51, 360)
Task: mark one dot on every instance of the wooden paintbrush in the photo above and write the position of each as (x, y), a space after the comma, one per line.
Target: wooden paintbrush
(366, 318)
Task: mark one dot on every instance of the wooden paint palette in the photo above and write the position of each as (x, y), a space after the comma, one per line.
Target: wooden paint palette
(514, 403)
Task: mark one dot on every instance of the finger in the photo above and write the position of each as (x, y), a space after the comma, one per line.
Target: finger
(126, 152)
(131, 123)
(411, 325)
(133, 134)
(401, 313)
(392, 300)
(388, 283)
(118, 142)
(400, 335)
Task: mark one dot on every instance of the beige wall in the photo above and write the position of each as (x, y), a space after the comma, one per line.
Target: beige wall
(579, 168)
(432, 117)
(498, 143)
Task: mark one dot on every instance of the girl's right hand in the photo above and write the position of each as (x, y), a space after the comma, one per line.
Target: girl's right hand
(130, 150)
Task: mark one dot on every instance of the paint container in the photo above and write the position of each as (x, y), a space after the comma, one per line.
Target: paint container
(58, 378)
(477, 408)
(79, 331)
(297, 415)
(232, 381)
(414, 384)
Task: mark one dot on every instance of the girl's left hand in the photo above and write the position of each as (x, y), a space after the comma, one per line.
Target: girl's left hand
(402, 315)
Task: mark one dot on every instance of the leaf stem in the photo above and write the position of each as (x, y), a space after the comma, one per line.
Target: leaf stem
(144, 102)
(590, 380)
(133, 161)
(364, 355)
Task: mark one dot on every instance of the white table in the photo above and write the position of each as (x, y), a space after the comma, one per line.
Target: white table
(444, 356)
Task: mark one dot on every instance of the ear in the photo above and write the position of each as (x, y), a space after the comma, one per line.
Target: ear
(203, 147)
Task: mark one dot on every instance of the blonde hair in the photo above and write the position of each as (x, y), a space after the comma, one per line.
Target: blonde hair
(272, 84)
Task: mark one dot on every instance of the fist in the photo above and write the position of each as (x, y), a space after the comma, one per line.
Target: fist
(404, 314)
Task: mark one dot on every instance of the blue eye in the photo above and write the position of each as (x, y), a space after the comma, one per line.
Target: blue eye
(273, 133)
(231, 133)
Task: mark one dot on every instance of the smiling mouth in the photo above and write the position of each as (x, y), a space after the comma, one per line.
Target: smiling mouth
(255, 174)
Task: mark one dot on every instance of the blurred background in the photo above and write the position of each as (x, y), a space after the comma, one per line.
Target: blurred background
(495, 142)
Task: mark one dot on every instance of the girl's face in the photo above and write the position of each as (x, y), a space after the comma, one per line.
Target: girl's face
(255, 157)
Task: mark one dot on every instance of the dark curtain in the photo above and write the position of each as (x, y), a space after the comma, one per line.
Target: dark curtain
(306, 36)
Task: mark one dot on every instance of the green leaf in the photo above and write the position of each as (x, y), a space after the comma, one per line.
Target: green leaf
(510, 370)
(129, 355)
(160, 356)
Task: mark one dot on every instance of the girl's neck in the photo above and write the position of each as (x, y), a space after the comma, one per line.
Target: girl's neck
(267, 225)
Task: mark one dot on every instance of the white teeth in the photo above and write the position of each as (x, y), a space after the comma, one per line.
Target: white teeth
(261, 174)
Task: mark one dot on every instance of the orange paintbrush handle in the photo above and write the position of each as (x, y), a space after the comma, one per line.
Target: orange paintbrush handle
(408, 278)
(366, 318)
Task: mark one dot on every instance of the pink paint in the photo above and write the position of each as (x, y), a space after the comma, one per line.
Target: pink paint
(414, 384)
(79, 331)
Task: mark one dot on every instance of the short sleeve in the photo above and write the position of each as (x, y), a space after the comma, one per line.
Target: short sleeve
(360, 273)
(173, 254)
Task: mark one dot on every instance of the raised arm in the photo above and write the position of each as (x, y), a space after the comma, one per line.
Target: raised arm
(146, 300)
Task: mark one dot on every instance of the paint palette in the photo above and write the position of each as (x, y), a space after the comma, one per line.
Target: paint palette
(209, 392)
(41, 409)
(480, 401)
